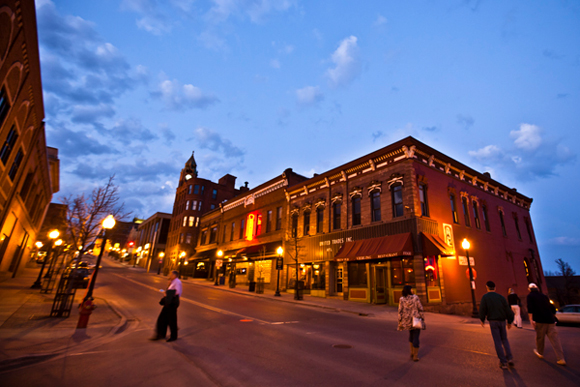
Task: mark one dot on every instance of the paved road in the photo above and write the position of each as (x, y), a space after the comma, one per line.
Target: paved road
(227, 339)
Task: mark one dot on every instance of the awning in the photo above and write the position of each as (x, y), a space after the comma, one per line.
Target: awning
(434, 245)
(255, 251)
(375, 248)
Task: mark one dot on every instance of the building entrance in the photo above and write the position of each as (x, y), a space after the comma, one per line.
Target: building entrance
(380, 291)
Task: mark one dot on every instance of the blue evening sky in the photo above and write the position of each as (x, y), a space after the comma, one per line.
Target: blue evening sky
(132, 87)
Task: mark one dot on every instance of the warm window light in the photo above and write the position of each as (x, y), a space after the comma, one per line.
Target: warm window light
(38, 244)
(58, 242)
(220, 253)
(280, 250)
(161, 254)
(465, 244)
(182, 254)
(109, 222)
(53, 234)
(186, 263)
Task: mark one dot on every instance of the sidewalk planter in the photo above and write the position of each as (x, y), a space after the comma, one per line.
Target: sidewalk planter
(252, 286)
(260, 286)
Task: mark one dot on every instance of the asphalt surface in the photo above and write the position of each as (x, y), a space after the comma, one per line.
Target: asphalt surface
(228, 339)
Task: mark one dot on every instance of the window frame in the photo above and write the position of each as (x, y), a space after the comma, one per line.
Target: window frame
(336, 217)
(502, 221)
(465, 206)
(485, 217)
(278, 218)
(423, 200)
(306, 223)
(476, 219)
(320, 220)
(398, 207)
(356, 218)
(453, 203)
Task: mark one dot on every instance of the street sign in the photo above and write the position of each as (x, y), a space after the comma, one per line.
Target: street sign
(218, 263)
(280, 263)
(474, 273)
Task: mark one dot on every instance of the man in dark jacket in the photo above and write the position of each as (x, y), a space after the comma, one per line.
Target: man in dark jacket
(542, 313)
(495, 308)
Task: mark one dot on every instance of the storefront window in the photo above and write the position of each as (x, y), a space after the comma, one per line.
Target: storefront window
(318, 276)
(357, 274)
(402, 272)
(431, 272)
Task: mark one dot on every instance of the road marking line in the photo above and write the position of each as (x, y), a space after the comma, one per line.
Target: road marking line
(208, 307)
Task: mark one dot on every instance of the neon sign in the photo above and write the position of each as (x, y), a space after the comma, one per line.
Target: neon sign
(250, 227)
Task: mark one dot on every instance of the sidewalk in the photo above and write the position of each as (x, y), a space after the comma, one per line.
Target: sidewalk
(29, 334)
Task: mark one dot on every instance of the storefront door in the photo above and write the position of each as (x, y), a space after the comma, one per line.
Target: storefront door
(338, 282)
(380, 285)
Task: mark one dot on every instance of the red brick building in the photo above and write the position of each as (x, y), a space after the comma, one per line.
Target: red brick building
(29, 170)
(397, 217)
(194, 197)
(365, 229)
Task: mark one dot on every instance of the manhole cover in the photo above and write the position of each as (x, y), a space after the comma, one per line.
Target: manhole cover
(342, 346)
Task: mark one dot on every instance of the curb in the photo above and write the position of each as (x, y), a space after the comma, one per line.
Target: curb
(280, 299)
(31, 359)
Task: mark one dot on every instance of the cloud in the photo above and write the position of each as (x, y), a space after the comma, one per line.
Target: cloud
(76, 144)
(309, 95)
(82, 73)
(528, 137)
(346, 64)
(275, 63)
(376, 135)
(167, 133)
(565, 241)
(530, 157)
(209, 139)
(381, 20)
(255, 10)
(465, 120)
(562, 95)
(430, 128)
(157, 17)
(181, 97)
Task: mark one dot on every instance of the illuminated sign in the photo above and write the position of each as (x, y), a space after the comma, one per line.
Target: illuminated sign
(250, 227)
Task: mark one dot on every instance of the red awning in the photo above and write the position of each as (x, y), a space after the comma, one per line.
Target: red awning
(433, 245)
(375, 248)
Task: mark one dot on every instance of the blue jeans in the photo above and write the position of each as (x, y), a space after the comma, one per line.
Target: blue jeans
(414, 337)
(499, 334)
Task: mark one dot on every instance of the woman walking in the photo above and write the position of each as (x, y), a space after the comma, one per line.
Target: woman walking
(515, 304)
(411, 319)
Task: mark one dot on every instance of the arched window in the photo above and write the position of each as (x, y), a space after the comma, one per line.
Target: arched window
(320, 219)
(336, 216)
(306, 223)
(294, 225)
(397, 199)
(356, 219)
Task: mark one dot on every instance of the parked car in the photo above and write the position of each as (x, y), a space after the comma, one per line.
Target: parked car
(569, 314)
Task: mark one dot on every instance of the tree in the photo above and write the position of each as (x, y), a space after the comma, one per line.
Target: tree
(85, 213)
(293, 244)
(566, 271)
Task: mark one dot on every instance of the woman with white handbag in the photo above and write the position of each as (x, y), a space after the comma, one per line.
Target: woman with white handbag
(411, 319)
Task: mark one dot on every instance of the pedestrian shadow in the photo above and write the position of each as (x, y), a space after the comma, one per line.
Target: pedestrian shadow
(512, 378)
(566, 372)
(399, 372)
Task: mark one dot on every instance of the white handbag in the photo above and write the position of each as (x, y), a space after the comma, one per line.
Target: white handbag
(418, 323)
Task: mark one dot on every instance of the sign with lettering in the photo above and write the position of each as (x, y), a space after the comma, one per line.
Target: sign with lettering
(218, 263)
(280, 263)
(448, 236)
(463, 260)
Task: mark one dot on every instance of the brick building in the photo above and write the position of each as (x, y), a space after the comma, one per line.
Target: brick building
(29, 171)
(397, 216)
(247, 230)
(152, 240)
(194, 197)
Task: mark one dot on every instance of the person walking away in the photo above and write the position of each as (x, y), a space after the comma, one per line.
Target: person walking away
(515, 304)
(168, 315)
(542, 315)
(410, 307)
(495, 308)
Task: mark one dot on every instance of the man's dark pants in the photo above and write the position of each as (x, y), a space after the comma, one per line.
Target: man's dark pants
(168, 317)
(499, 334)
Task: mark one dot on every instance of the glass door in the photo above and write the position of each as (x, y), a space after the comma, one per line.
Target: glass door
(380, 288)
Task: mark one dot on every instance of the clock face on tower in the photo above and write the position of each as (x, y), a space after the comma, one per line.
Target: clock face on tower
(187, 177)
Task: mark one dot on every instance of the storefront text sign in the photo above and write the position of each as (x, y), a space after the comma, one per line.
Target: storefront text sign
(463, 260)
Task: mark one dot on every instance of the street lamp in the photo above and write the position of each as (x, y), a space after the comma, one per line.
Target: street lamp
(466, 245)
(161, 255)
(279, 266)
(181, 256)
(108, 223)
(219, 254)
(52, 235)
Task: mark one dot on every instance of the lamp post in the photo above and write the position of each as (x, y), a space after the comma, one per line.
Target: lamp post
(52, 235)
(466, 245)
(108, 223)
(55, 254)
(219, 254)
(161, 255)
(181, 256)
(279, 266)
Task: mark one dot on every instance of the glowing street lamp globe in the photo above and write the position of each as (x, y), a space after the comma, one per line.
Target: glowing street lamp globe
(53, 234)
(280, 250)
(465, 244)
(109, 222)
